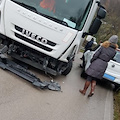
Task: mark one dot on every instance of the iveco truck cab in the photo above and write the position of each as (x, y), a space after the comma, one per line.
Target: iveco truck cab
(47, 33)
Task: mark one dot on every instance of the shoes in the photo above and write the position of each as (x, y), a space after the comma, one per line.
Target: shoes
(91, 94)
(82, 92)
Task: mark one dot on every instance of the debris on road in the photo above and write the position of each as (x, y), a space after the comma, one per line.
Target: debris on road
(7, 64)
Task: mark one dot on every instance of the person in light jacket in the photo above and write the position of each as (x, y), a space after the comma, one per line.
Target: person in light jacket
(99, 63)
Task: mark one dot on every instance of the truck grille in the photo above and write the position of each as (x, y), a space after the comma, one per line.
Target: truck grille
(33, 42)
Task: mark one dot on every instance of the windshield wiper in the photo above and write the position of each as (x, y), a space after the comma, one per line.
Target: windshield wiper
(55, 19)
(26, 6)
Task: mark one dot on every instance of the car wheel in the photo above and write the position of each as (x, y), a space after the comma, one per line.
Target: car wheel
(116, 88)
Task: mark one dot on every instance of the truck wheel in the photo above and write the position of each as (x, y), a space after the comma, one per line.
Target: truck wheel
(67, 71)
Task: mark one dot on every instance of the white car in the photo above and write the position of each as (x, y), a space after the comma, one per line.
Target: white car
(112, 73)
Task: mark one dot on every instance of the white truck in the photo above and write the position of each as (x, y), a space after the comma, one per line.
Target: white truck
(47, 33)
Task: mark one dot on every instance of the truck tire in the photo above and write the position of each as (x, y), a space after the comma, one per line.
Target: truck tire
(67, 71)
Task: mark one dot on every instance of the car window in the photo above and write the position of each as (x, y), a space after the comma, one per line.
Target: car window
(117, 57)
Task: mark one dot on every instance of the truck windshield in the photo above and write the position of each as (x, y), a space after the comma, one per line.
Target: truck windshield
(71, 13)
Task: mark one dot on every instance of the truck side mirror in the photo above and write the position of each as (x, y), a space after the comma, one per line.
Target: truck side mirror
(96, 22)
(101, 13)
(95, 26)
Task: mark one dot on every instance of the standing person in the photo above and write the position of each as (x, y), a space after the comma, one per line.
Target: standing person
(87, 47)
(99, 63)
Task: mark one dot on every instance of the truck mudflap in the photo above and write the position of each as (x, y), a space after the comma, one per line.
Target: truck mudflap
(10, 65)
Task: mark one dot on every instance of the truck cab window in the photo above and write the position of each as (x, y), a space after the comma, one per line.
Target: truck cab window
(72, 12)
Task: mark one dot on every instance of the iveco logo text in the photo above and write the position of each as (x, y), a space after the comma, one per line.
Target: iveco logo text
(34, 36)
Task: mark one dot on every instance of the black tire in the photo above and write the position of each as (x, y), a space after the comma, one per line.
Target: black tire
(116, 88)
(67, 71)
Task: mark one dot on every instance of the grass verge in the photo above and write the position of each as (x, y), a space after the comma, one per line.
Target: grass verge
(117, 105)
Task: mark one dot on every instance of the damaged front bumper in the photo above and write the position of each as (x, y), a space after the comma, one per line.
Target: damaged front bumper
(10, 65)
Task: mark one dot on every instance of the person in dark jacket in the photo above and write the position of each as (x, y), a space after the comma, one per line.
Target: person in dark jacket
(88, 46)
(99, 63)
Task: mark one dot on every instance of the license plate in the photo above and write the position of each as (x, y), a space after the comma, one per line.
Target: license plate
(107, 76)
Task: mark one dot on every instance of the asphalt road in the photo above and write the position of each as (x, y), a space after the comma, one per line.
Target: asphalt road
(19, 100)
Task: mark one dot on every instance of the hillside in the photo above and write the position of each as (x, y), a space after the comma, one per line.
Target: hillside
(111, 24)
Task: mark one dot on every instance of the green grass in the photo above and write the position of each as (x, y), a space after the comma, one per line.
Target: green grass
(117, 106)
(81, 50)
